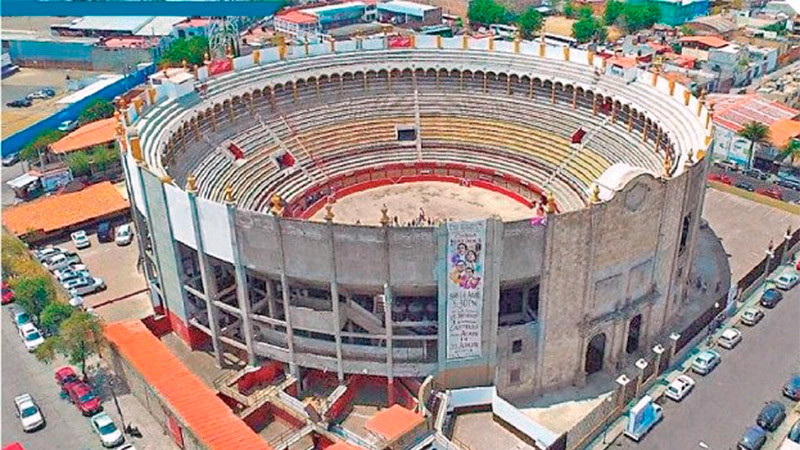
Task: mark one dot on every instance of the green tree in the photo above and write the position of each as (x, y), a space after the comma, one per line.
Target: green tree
(791, 150)
(39, 144)
(638, 17)
(191, 50)
(487, 12)
(54, 314)
(584, 12)
(614, 9)
(96, 110)
(569, 9)
(587, 29)
(756, 133)
(530, 22)
(103, 157)
(79, 337)
(33, 293)
(80, 163)
(687, 30)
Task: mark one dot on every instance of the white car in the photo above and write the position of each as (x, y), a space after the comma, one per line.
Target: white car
(705, 362)
(85, 285)
(76, 301)
(28, 412)
(61, 274)
(679, 387)
(124, 235)
(31, 336)
(110, 435)
(42, 254)
(786, 280)
(68, 125)
(80, 239)
(62, 261)
(752, 316)
(729, 338)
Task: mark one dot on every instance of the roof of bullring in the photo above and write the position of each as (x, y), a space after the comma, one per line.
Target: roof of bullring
(57, 212)
(206, 415)
(733, 111)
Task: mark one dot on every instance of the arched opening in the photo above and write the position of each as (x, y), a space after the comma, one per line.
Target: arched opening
(634, 330)
(594, 354)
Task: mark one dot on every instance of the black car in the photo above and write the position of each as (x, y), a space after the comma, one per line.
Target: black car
(787, 183)
(771, 416)
(755, 173)
(747, 186)
(752, 439)
(770, 298)
(792, 387)
(794, 433)
(105, 232)
(21, 103)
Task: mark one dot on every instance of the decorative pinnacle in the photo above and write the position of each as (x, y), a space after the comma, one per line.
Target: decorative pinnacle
(667, 166)
(191, 183)
(229, 195)
(595, 198)
(329, 210)
(385, 216)
(770, 247)
(166, 179)
(551, 202)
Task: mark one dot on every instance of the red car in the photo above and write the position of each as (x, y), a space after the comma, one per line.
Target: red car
(771, 192)
(66, 375)
(720, 178)
(8, 294)
(82, 395)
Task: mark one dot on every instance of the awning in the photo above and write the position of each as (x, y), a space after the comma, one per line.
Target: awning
(22, 181)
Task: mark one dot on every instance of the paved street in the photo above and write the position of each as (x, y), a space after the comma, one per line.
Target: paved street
(726, 402)
(789, 195)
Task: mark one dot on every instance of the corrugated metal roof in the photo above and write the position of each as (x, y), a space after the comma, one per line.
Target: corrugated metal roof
(196, 405)
(403, 7)
(111, 23)
(159, 26)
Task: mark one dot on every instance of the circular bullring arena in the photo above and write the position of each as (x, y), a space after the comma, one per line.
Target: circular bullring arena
(485, 212)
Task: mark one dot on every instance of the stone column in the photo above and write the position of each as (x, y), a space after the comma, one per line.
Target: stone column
(622, 384)
(210, 288)
(673, 345)
(242, 293)
(641, 364)
(334, 286)
(659, 352)
(293, 369)
(786, 237)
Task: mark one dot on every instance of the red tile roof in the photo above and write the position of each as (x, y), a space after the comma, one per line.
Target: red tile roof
(298, 17)
(57, 212)
(784, 130)
(733, 111)
(393, 422)
(624, 62)
(94, 133)
(195, 404)
(708, 41)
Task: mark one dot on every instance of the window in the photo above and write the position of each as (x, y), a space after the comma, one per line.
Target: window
(516, 346)
(514, 379)
(406, 133)
(685, 232)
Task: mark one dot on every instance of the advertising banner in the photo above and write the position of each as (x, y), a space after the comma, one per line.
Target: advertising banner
(465, 264)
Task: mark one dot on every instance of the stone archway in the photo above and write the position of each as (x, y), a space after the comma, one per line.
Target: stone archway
(634, 331)
(595, 352)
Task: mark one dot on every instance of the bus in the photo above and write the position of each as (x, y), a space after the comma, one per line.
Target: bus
(503, 31)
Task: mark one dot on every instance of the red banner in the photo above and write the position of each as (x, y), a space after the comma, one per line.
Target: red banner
(400, 42)
(578, 136)
(235, 151)
(175, 431)
(220, 66)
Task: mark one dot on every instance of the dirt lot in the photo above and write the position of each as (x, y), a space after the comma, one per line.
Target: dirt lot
(563, 26)
(117, 267)
(26, 81)
(439, 200)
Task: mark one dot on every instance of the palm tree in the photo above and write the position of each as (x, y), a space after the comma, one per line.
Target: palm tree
(791, 150)
(755, 132)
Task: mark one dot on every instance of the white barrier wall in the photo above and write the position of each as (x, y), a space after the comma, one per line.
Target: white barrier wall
(215, 229)
(180, 215)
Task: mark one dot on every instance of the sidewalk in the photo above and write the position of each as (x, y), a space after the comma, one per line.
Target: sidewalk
(683, 365)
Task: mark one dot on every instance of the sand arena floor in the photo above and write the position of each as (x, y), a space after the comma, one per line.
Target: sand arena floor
(439, 201)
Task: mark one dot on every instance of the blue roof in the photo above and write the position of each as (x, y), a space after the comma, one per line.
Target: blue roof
(403, 7)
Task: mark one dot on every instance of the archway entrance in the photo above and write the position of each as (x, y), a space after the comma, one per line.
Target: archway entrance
(594, 354)
(634, 329)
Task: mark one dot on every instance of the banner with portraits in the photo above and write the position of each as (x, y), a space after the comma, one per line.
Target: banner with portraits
(465, 270)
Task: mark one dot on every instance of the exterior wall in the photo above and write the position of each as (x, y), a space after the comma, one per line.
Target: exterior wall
(453, 7)
(72, 55)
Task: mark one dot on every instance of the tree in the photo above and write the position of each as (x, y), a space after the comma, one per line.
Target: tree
(79, 337)
(584, 12)
(103, 157)
(54, 314)
(96, 110)
(587, 29)
(637, 17)
(569, 9)
(191, 50)
(39, 144)
(756, 133)
(33, 293)
(487, 12)
(530, 22)
(687, 31)
(614, 9)
(791, 150)
(80, 163)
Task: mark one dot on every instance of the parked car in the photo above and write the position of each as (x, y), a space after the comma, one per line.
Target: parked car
(65, 375)
(772, 192)
(124, 235)
(106, 429)
(28, 412)
(45, 253)
(72, 276)
(728, 165)
(76, 301)
(68, 125)
(41, 94)
(21, 318)
(62, 261)
(21, 103)
(729, 338)
(105, 232)
(792, 387)
(786, 280)
(61, 274)
(722, 178)
(84, 286)
(10, 160)
(794, 433)
(31, 336)
(753, 439)
(755, 173)
(82, 395)
(80, 239)
(705, 362)
(8, 294)
(770, 298)
(679, 387)
(746, 185)
(789, 183)
(752, 316)
(771, 416)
